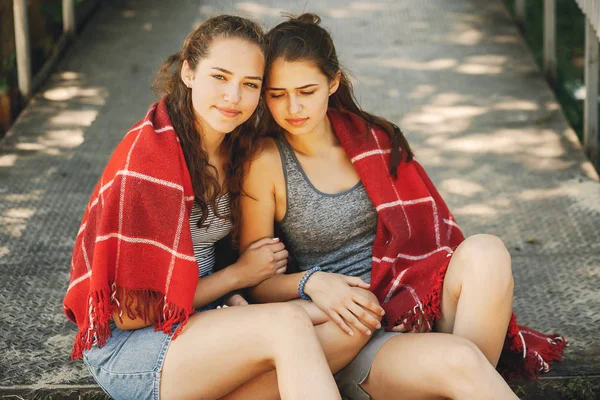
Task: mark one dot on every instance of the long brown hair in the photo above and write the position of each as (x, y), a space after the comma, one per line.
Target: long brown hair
(303, 39)
(168, 82)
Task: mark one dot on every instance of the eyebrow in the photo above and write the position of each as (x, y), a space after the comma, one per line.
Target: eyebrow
(301, 87)
(256, 78)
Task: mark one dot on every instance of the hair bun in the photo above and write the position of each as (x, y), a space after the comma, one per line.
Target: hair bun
(307, 18)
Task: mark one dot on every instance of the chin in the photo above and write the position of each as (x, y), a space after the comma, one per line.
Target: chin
(294, 130)
(225, 127)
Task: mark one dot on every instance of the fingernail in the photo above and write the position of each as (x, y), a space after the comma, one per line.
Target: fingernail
(275, 238)
(368, 333)
(351, 333)
(378, 326)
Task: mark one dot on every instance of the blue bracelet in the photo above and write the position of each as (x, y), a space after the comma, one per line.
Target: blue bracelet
(307, 275)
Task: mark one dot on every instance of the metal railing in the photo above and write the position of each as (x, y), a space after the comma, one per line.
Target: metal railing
(26, 82)
(591, 11)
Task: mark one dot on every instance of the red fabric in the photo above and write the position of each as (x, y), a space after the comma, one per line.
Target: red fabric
(416, 237)
(135, 236)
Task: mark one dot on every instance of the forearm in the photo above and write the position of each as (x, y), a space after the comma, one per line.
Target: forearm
(215, 286)
(277, 288)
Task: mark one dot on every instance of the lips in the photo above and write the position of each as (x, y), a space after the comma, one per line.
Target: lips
(228, 112)
(297, 121)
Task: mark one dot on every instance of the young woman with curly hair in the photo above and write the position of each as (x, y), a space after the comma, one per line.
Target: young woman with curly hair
(143, 288)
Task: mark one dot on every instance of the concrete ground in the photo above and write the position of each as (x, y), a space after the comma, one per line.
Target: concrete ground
(454, 74)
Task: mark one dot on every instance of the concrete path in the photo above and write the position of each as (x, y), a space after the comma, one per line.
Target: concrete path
(454, 74)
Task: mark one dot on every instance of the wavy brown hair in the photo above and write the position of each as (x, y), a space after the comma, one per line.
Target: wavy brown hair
(239, 142)
(301, 38)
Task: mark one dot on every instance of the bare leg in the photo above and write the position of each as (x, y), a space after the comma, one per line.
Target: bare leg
(433, 366)
(477, 294)
(220, 350)
(339, 348)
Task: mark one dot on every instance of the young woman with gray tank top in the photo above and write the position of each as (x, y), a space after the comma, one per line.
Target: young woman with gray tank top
(332, 223)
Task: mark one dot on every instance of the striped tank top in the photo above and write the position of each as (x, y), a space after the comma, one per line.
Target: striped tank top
(204, 238)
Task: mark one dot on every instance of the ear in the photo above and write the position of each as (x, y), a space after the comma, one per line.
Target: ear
(187, 74)
(335, 83)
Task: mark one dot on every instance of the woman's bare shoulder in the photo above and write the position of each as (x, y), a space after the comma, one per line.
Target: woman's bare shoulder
(266, 157)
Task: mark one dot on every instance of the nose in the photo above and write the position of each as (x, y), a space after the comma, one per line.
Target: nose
(295, 106)
(232, 94)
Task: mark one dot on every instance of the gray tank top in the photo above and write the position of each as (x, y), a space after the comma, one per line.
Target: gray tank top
(333, 231)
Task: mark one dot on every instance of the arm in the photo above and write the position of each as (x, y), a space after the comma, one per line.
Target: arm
(257, 205)
(261, 260)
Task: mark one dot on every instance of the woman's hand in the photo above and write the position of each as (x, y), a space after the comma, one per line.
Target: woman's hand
(401, 328)
(261, 260)
(234, 299)
(346, 300)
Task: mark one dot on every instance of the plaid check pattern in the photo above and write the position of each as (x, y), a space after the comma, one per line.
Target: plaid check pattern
(135, 236)
(415, 239)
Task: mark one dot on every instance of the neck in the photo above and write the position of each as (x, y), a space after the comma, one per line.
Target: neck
(211, 141)
(320, 141)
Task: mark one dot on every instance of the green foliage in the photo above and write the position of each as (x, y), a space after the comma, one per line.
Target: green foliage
(580, 389)
(570, 42)
(520, 392)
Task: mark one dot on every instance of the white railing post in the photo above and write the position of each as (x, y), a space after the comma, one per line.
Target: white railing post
(550, 40)
(590, 129)
(68, 8)
(520, 11)
(22, 46)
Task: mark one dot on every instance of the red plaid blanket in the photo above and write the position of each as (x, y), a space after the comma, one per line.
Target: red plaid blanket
(416, 236)
(135, 236)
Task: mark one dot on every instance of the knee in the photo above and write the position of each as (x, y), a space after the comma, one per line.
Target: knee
(287, 316)
(462, 361)
(486, 256)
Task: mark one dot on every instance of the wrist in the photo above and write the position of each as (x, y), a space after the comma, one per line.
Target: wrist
(234, 279)
(311, 280)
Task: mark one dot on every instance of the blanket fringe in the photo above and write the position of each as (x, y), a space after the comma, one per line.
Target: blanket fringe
(135, 303)
(518, 359)
(415, 319)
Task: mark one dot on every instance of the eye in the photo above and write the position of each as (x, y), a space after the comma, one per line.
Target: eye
(307, 93)
(251, 85)
(219, 77)
(276, 96)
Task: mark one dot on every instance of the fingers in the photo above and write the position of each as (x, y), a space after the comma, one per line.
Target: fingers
(353, 321)
(262, 242)
(235, 299)
(281, 264)
(340, 322)
(399, 328)
(274, 247)
(369, 304)
(281, 270)
(367, 318)
(240, 302)
(281, 255)
(356, 282)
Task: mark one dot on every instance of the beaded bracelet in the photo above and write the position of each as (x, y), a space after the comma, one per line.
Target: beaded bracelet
(307, 275)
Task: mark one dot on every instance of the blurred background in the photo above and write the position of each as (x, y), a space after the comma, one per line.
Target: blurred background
(497, 123)
(45, 25)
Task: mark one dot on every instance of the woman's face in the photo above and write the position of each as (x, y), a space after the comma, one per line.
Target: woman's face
(297, 95)
(226, 84)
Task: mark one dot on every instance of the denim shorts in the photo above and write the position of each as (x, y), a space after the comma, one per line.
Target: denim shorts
(130, 364)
